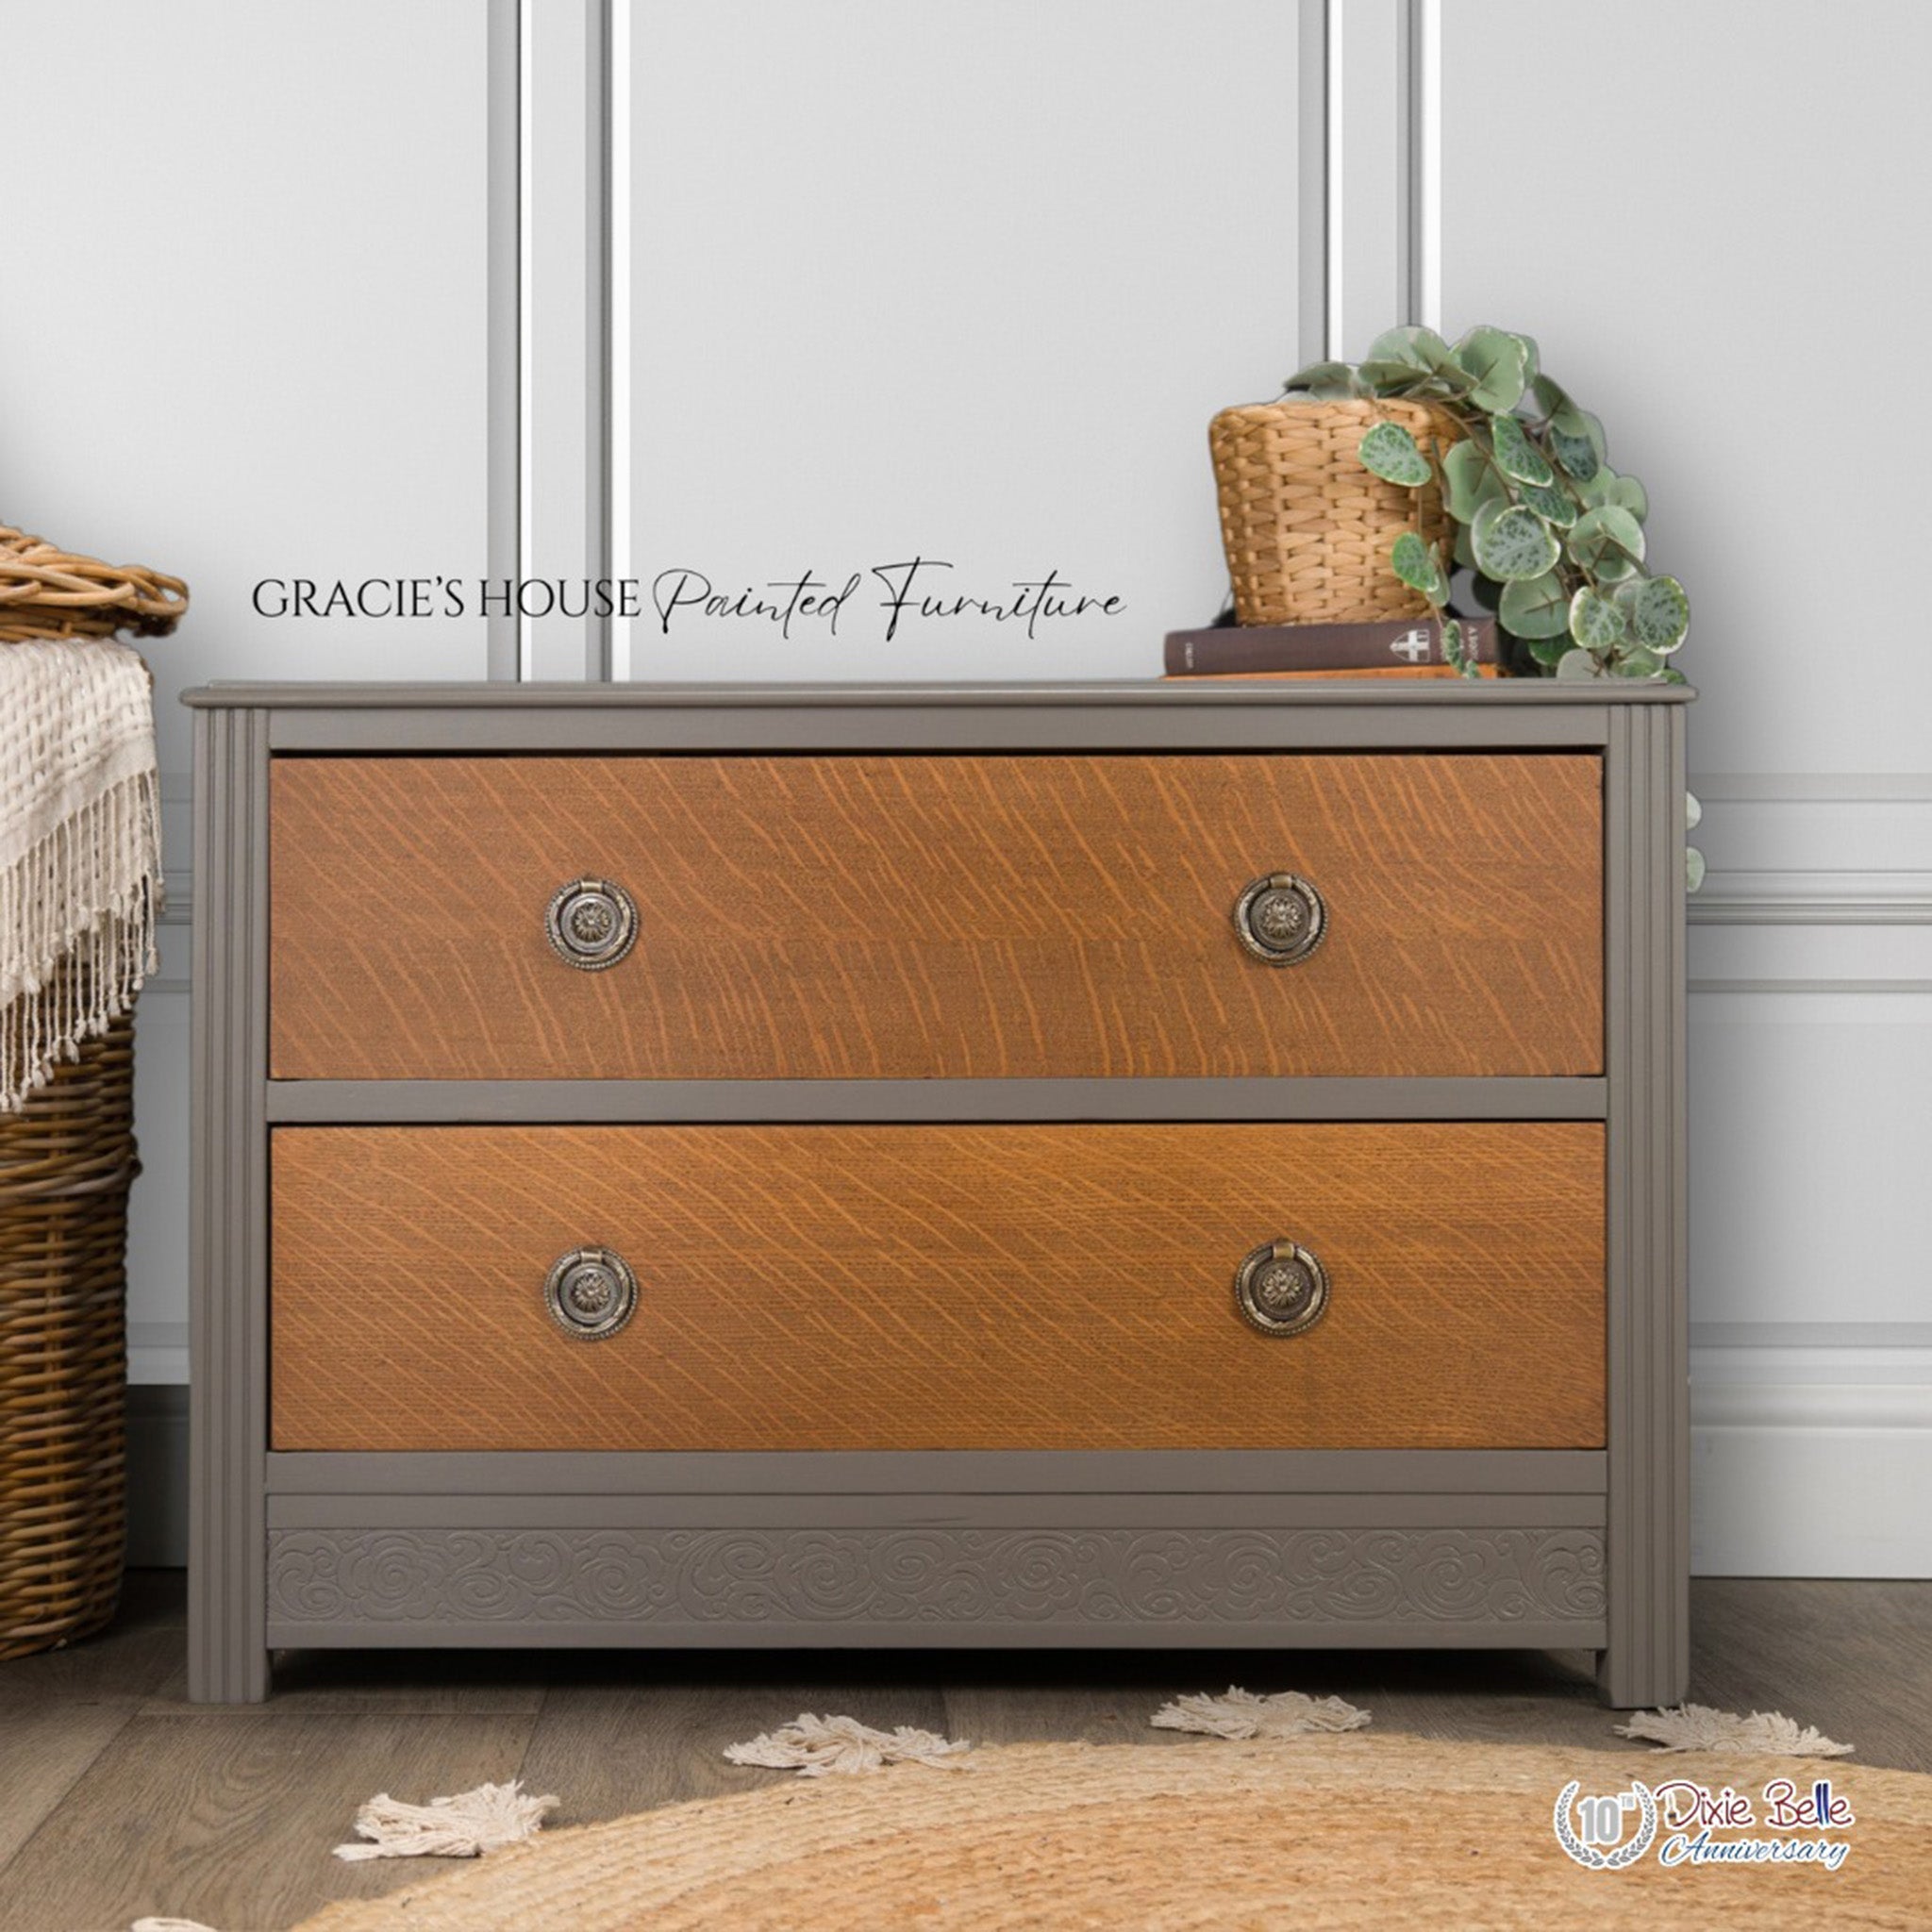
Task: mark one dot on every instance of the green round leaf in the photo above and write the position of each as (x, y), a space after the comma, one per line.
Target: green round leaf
(1388, 451)
(1516, 455)
(1464, 548)
(1633, 660)
(1580, 423)
(1554, 504)
(1455, 650)
(1578, 664)
(1694, 812)
(1550, 651)
(1535, 607)
(1694, 867)
(1422, 348)
(1548, 397)
(1323, 381)
(1621, 493)
(1470, 479)
(1574, 453)
(1392, 379)
(1512, 542)
(1499, 364)
(1416, 564)
(1596, 622)
(1659, 612)
(1607, 542)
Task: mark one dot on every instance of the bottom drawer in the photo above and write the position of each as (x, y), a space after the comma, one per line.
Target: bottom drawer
(937, 1287)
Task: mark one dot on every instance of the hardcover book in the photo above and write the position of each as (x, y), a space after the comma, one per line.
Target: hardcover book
(1399, 645)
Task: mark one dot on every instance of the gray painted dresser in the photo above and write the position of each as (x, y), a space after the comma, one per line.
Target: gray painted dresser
(1060, 1165)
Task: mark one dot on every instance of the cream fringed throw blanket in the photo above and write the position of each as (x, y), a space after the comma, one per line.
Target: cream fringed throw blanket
(80, 849)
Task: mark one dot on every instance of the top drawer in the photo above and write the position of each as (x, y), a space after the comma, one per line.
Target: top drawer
(935, 917)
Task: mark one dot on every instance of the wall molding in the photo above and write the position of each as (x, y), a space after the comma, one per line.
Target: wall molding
(1318, 131)
(504, 198)
(1420, 238)
(1813, 787)
(1804, 984)
(1813, 898)
(1816, 1336)
(1816, 848)
(1806, 1406)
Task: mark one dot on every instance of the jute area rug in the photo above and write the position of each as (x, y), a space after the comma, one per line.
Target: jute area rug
(1339, 1832)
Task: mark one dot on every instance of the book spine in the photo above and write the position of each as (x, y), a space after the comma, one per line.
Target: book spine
(1371, 674)
(1402, 645)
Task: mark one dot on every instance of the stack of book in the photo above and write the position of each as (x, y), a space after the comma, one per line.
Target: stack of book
(1404, 647)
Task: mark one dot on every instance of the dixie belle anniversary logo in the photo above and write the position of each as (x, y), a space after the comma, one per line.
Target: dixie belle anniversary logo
(1689, 1824)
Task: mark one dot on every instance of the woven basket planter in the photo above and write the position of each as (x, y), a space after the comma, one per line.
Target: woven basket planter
(67, 1160)
(1307, 529)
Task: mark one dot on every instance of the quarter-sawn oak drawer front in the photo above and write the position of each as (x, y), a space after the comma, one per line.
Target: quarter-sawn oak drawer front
(937, 1287)
(867, 917)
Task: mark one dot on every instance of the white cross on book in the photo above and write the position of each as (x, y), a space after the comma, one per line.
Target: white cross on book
(1412, 645)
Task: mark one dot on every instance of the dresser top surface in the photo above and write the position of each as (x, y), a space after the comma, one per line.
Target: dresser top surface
(1180, 693)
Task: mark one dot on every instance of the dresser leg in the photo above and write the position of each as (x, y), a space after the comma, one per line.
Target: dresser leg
(228, 1658)
(240, 1676)
(1653, 1671)
(1646, 1661)
(228, 1421)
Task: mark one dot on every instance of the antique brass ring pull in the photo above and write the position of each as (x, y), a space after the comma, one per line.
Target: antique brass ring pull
(592, 924)
(1281, 919)
(1281, 1289)
(590, 1293)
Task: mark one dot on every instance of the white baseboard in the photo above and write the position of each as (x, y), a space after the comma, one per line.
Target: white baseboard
(1811, 1461)
(158, 1475)
(157, 1352)
(1789, 1502)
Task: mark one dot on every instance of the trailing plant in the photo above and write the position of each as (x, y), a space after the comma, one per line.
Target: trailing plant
(1553, 535)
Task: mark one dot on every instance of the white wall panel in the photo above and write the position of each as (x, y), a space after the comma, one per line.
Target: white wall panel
(244, 336)
(563, 158)
(1720, 260)
(243, 332)
(1710, 215)
(1807, 1113)
(961, 281)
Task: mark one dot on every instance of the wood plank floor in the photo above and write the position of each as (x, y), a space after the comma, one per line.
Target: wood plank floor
(119, 1799)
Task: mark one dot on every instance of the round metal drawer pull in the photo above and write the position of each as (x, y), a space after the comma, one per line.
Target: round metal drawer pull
(592, 924)
(590, 1293)
(1281, 919)
(1281, 1289)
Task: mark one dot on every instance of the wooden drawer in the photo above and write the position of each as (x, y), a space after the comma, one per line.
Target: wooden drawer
(862, 917)
(938, 1288)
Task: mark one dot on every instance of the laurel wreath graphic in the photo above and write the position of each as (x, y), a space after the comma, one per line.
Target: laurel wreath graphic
(1624, 1854)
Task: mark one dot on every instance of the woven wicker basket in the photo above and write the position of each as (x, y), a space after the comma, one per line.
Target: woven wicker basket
(66, 1161)
(49, 592)
(1307, 529)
